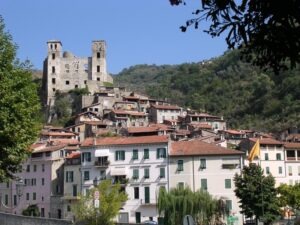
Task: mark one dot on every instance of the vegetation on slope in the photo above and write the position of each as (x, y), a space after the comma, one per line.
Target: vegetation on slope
(248, 97)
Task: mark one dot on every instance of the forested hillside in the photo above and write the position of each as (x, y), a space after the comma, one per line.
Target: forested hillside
(246, 96)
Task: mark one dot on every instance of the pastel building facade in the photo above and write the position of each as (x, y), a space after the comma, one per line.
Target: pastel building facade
(200, 165)
(138, 163)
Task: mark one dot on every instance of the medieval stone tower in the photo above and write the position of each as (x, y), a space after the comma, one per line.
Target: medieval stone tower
(64, 71)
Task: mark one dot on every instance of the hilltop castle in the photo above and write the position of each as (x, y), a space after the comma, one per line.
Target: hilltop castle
(64, 71)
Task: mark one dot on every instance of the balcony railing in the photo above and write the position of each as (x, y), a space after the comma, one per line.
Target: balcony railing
(101, 164)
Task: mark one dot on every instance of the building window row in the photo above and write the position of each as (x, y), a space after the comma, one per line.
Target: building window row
(135, 173)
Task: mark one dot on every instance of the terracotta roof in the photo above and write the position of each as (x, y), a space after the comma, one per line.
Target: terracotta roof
(166, 107)
(37, 145)
(73, 155)
(293, 136)
(143, 129)
(266, 141)
(72, 148)
(292, 145)
(125, 140)
(182, 132)
(50, 148)
(196, 147)
(58, 134)
(161, 126)
(233, 132)
(65, 141)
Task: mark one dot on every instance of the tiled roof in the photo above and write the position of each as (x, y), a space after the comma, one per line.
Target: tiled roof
(65, 141)
(182, 132)
(57, 134)
(143, 129)
(196, 147)
(124, 140)
(292, 145)
(160, 126)
(50, 148)
(234, 132)
(266, 141)
(201, 125)
(73, 155)
(174, 107)
(293, 136)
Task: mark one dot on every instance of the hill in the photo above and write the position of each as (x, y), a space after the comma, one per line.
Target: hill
(246, 96)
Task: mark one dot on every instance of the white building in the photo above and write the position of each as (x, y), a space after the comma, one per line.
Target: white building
(159, 113)
(200, 165)
(138, 163)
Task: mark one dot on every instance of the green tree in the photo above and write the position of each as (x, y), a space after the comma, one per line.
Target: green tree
(177, 203)
(270, 29)
(19, 108)
(111, 199)
(289, 196)
(257, 194)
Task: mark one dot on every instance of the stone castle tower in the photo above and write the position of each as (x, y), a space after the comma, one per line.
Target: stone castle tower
(64, 71)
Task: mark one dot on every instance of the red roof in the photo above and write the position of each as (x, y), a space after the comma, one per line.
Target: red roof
(65, 141)
(266, 141)
(196, 147)
(201, 125)
(73, 155)
(174, 107)
(143, 129)
(124, 140)
(234, 132)
(57, 134)
(50, 148)
(292, 145)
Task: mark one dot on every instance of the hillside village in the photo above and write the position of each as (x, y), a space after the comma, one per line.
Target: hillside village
(143, 143)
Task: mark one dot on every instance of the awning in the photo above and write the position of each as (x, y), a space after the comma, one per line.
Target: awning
(118, 172)
(101, 152)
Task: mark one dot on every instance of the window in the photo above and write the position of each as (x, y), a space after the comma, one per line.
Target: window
(147, 194)
(48, 154)
(43, 167)
(27, 182)
(43, 181)
(42, 212)
(34, 196)
(85, 82)
(180, 165)
(68, 208)
(86, 157)
(146, 153)
(136, 192)
(98, 69)
(53, 89)
(86, 175)
(120, 155)
(67, 82)
(135, 154)
(6, 199)
(76, 86)
(180, 185)
(28, 168)
(202, 164)
(227, 183)
(146, 173)
(33, 181)
(278, 156)
(228, 204)
(204, 184)
(53, 56)
(53, 69)
(135, 174)
(161, 153)
(266, 156)
(162, 172)
(267, 170)
(98, 78)
(74, 190)
(69, 176)
(98, 55)
(280, 170)
(15, 200)
(34, 168)
(290, 171)
(27, 196)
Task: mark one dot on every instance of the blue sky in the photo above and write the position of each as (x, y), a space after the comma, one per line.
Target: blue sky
(135, 31)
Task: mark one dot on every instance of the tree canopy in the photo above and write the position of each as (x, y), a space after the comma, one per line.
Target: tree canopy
(269, 29)
(257, 194)
(289, 196)
(19, 108)
(111, 199)
(177, 203)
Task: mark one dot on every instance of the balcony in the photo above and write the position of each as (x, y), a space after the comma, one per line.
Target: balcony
(103, 164)
(149, 202)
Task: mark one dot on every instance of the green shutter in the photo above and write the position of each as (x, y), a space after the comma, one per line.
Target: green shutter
(146, 153)
(135, 154)
(227, 183)
(204, 184)
(162, 173)
(146, 173)
(147, 195)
